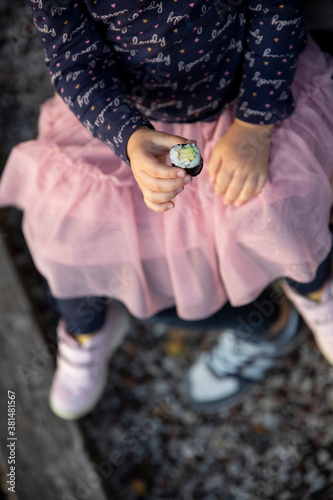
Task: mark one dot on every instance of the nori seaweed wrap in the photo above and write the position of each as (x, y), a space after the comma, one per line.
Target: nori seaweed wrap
(188, 157)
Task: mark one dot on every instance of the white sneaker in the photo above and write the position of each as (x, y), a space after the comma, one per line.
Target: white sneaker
(80, 377)
(234, 367)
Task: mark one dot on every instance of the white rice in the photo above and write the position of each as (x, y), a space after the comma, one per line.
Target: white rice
(184, 163)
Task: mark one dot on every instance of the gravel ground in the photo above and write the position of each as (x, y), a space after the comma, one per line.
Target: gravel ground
(145, 442)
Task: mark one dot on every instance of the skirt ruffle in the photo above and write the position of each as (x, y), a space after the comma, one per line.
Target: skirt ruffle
(90, 233)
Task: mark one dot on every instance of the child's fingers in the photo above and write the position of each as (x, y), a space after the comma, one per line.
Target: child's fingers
(248, 190)
(158, 170)
(225, 176)
(159, 197)
(214, 165)
(252, 187)
(232, 192)
(160, 202)
(163, 185)
(261, 182)
(222, 181)
(159, 207)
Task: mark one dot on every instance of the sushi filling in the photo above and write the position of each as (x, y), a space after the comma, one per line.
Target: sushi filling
(185, 155)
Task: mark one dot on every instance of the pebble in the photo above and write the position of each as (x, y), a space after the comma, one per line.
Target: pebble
(323, 456)
(318, 484)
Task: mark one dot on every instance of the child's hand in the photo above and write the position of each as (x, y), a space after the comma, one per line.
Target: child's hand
(147, 150)
(239, 162)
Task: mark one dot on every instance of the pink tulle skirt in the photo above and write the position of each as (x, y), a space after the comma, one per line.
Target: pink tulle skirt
(90, 233)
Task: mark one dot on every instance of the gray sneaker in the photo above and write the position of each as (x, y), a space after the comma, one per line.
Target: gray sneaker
(234, 367)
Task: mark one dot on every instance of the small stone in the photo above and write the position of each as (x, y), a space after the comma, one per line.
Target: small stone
(286, 495)
(175, 348)
(189, 417)
(323, 457)
(259, 428)
(161, 387)
(139, 486)
(188, 452)
(311, 476)
(130, 349)
(319, 483)
(160, 329)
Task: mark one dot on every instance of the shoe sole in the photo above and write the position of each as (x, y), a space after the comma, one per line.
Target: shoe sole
(249, 388)
(116, 341)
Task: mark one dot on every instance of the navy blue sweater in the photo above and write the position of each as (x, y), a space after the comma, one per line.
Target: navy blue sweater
(119, 65)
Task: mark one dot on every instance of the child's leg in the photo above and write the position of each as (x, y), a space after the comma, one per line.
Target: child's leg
(88, 334)
(313, 289)
(83, 315)
(254, 319)
(314, 302)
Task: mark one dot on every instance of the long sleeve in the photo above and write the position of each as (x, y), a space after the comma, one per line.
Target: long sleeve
(83, 71)
(275, 38)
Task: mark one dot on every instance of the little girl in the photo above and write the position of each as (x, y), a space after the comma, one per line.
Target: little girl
(105, 216)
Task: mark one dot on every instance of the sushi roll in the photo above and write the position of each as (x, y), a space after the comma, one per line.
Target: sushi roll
(188, 157)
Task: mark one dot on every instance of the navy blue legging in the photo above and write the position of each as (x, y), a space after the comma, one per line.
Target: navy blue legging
(87, 314)
(317, 283)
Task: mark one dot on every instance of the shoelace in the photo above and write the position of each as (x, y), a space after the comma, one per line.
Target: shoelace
(231, 353)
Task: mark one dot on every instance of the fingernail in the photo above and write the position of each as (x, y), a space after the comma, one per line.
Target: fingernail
(181, 173)
(188, 179)
(179, 190)
(237, 203)
(226, 202)
(170, 206)
(190, 142)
